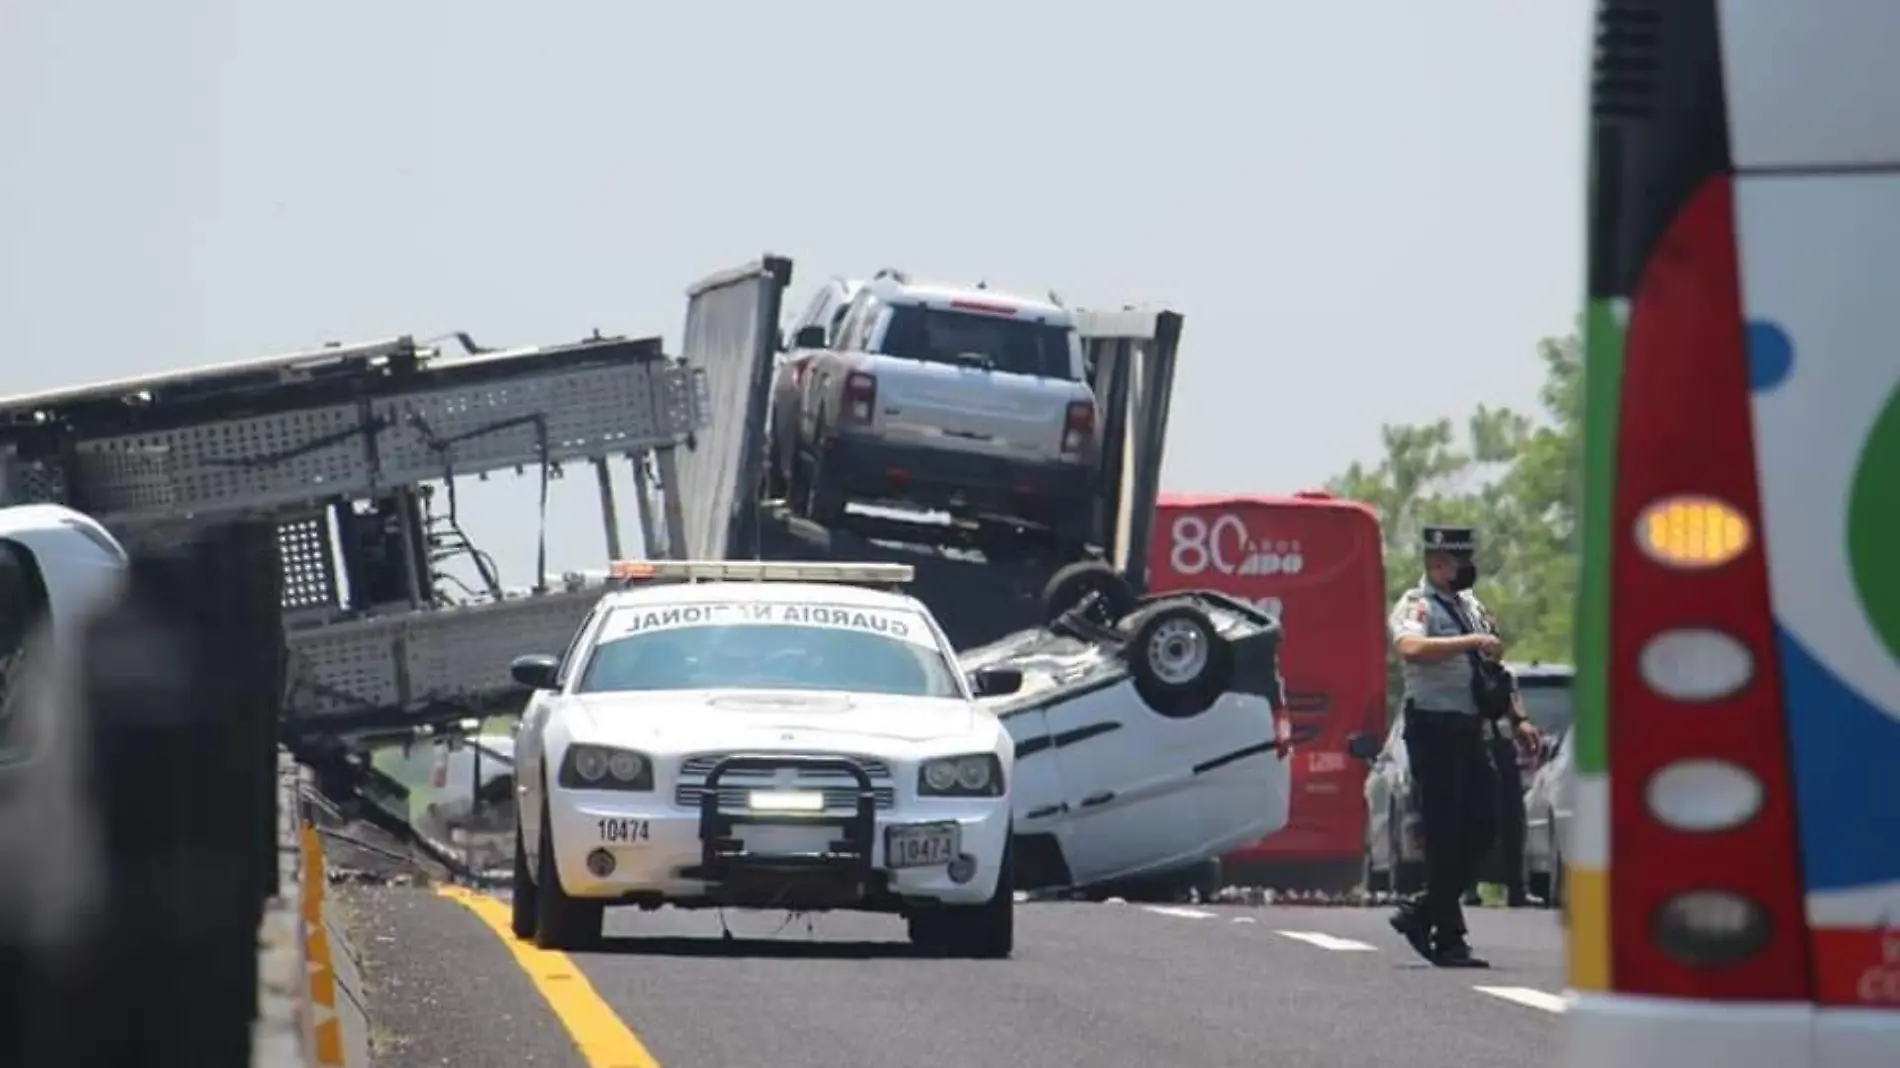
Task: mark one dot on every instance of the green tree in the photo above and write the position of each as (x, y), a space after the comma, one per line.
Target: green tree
(1514, 479)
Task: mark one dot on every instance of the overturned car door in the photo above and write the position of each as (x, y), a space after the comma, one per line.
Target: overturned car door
(1149, 737)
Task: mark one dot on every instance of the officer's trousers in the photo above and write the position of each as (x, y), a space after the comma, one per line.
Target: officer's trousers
(1457, 795)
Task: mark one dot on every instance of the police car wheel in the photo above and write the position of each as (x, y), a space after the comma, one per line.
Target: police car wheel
(1072, 583)
(560, 921)
(985, 932)
(1181, 665)
(523, 906)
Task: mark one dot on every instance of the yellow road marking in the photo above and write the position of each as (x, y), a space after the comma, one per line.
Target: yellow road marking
(602, 1037)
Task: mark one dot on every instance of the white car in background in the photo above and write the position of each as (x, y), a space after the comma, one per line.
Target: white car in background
(945, 397)
(1547, 811)
(763, 735)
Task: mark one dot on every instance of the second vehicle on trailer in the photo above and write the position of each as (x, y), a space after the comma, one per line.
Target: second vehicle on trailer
(957, 398)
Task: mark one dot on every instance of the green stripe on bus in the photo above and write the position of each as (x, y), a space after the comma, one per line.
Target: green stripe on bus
(1602, 404)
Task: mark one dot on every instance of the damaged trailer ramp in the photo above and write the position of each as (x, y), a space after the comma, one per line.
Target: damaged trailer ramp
(733, 342)
(1151, 737)
(352, 452)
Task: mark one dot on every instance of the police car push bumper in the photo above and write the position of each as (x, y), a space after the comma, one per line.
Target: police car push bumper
(613, 844)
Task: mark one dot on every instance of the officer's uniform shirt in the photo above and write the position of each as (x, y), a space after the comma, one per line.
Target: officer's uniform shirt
(1422, 612)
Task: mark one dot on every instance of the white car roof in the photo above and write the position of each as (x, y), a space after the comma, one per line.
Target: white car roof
(835, 593)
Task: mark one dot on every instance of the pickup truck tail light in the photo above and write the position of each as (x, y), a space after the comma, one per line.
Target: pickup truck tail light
(1078, 427)
(860, 397)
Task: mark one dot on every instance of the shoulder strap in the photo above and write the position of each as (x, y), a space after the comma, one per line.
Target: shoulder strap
(1464, 627)
(1457, 613)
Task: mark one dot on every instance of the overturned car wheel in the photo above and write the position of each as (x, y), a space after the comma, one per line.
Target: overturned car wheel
(1072, 584)
(1181, 665)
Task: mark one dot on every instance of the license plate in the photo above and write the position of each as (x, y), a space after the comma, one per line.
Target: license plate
(617, 829)
(921, 846)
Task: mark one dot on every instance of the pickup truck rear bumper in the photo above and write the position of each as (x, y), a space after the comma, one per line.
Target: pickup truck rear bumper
(1054, 494)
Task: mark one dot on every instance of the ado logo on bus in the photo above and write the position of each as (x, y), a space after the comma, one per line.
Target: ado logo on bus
(1225, 546)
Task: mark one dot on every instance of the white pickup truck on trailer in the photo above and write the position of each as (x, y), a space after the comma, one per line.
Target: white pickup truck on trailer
(956, 398)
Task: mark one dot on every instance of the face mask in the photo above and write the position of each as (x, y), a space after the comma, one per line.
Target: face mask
(1465, 577)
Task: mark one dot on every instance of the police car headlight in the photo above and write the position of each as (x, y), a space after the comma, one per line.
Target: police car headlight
(600, 767)
(976, 775)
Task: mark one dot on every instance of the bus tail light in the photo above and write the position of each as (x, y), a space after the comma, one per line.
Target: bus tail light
(1705, 895)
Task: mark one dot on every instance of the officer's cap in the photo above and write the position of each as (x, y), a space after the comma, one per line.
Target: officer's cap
(1449, 539)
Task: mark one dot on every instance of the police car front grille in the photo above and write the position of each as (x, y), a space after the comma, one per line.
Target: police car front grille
(698, 767)
(841, 798)
(840, 790)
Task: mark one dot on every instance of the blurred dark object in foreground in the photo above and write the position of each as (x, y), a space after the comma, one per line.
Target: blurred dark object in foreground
(138, 826)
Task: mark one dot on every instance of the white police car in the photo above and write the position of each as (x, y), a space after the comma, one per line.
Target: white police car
(774, 735)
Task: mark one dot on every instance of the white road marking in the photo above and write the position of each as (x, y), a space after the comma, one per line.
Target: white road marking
(1326, 941)
(1174, 910)
(1524, 995)
(1245, 919)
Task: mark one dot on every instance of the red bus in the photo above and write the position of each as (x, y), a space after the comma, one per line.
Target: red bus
(1317, 562)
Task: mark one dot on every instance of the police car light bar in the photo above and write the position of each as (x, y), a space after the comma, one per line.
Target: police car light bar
(868, 574)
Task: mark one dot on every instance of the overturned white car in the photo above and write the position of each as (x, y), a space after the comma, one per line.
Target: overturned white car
(1150, 737)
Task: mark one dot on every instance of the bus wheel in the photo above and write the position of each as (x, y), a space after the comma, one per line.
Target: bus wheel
(1375, 880)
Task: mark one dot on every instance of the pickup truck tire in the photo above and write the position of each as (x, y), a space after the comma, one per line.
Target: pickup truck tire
(560, 921)
(823, 501)
(773, 483)
(522, 906)
(1074, 582)
(1181, 664)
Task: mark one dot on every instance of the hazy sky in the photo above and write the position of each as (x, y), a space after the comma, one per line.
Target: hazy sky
(1368, 210)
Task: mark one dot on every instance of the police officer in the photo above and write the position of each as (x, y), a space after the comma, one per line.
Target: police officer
(1442, 632)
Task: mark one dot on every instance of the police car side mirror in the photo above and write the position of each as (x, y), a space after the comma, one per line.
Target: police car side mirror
(535, 671)
(1363, 746)
(809, 337)
(995, 681)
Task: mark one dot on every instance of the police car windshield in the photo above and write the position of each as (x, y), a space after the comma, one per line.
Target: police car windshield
(1012, 345)
(768, 647)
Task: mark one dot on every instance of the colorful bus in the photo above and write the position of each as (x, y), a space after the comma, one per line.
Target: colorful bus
(1315, 561)
(1734, 858)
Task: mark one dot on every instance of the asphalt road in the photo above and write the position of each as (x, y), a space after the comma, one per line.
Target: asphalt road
(1102, 985)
